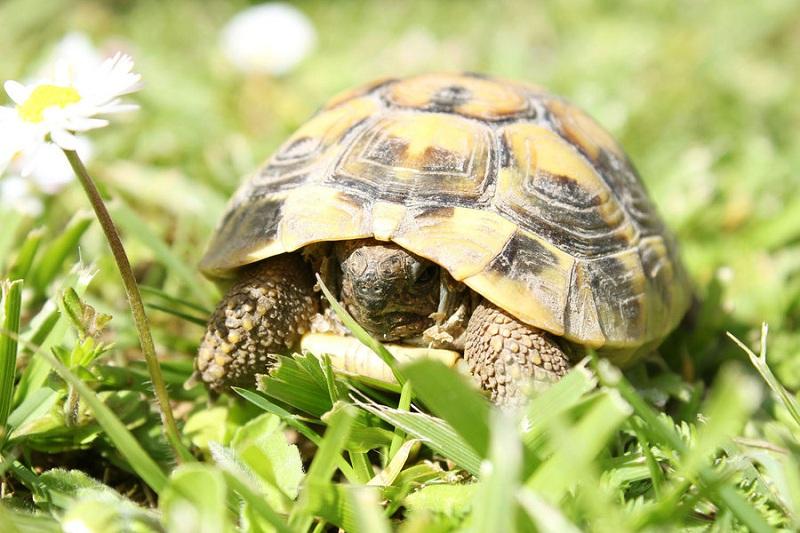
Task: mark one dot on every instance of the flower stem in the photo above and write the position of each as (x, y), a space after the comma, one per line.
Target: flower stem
(135, 301)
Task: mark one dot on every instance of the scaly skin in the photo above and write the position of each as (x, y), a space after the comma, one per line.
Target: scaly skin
(265, 313)
(504, 354)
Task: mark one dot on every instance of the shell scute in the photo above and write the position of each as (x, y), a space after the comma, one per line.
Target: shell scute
(549, 189)
(409, 156)
(528, 265)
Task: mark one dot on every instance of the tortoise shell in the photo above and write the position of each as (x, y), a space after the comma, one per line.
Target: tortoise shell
(517, 193)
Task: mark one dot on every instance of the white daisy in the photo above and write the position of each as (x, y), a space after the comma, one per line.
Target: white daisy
(68, 101)
(269, 38)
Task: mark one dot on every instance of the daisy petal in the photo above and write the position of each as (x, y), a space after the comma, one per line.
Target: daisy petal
(16, 91)
(117, 108)
(85, 124)
(7, 113)
(64, 139)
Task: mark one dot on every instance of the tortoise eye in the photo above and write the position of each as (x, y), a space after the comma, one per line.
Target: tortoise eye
(427, 275)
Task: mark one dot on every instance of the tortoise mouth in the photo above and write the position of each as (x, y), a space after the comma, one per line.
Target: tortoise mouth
(396, 325)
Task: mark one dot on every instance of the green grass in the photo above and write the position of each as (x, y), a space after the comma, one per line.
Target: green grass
(703, 436)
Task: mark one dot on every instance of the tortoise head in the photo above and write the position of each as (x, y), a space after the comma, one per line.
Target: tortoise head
(390, 292)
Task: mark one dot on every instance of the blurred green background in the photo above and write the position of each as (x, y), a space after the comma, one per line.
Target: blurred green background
(702, 94)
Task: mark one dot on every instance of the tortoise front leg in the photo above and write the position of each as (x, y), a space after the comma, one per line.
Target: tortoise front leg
(266, 312)
(504, 354)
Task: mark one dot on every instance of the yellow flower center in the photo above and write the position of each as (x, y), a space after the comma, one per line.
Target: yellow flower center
(44, 96)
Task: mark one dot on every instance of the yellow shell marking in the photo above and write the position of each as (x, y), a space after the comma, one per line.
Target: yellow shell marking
(581, 129)
(331, 125)
(271, 249)
(539, 149)
(462, 241)
(424, 131)
(317, 213)
(536, 298)
(482, 98)
(386, 217)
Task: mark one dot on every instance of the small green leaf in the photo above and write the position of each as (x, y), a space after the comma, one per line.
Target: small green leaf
(262, 446)
(98, 514)
(19, 521)
(194, 500)
(240, 479)
(85, 319)
(300, 382)
(47, 330)
(207, 425)
(450, 500)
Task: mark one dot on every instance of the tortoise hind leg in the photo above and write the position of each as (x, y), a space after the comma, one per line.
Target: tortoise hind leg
(504, 354)
(265, 312)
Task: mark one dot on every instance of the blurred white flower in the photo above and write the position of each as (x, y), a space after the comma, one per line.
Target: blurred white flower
(55, 107)
(268, 38)
(75, 49)
(76, 525)
(18, 194)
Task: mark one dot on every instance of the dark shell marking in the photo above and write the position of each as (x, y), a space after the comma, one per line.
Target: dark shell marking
(519, 194)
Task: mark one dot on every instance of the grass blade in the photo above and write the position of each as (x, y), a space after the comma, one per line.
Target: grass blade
(324, 464)
(546, 518)
(47, 267)
(12, 221)
(575, 448)
(11, 301)
(554, 401)
(657, 430)
(760, 362)
(494, 506)
(434, 432)
(448, 395)
(27, 252)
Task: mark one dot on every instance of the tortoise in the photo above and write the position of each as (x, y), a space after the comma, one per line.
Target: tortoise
(452, 211)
